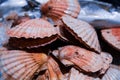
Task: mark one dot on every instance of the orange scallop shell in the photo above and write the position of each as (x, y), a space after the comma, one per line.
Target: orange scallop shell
(32, 33)
(34, 28)
(83, 32)
(86, 60)
(55, 9)
(53, 71)
(112, 36)
(20, 65)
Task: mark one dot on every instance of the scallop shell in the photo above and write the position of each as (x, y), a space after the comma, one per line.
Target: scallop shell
(113, 73)
(76, 75)
(83, 32)
(32, 33)
(53, 71)
(107, 58)
(34, 28)
(86, 60)
(112, 36)
(55, 9)
(20, 65)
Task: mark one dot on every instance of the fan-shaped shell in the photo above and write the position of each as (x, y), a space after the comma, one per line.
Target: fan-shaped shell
(53, 71)
(113, 73)
(112, 36)
(20, 65)
(32, 33)
(34, 28)
(55, 9)
(83, 32)
(84, 59)
(76, 75)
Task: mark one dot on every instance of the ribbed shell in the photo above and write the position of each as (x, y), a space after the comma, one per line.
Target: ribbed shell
(20, 65)
(84, 59)
(76, 75)
(113, 73)
(55, 9)
(53, 71)
(83, 32)
(112, 36)
(34, 28)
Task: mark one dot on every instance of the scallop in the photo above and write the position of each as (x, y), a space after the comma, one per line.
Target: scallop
(20, 65)
(73, 55)
(53, 71)
(113, 73)
(112, 36)
(81, 31)
(55, 9)
(32, 33)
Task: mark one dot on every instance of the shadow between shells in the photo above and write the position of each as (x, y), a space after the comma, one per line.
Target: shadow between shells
(67, 49)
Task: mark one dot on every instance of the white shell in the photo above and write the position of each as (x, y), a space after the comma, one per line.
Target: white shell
(83, 32)
(76, 75)
(113, 73)
(20, 65)
(107, 58)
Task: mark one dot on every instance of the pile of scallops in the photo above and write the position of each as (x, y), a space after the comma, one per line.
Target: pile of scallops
(64, 49)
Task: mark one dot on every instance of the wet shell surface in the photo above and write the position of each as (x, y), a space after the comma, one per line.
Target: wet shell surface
(83, 32)
(55, 9)
(34, 28)
(113, 73)
(86, 60)
(76, 75)
(20, 65)
(112, 36)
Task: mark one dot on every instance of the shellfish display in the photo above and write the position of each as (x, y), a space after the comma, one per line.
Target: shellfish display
(32, 33)
(49, 42)
(84, 59)
(55, 9)
(20, 65)
(81, 31)
(112, 36)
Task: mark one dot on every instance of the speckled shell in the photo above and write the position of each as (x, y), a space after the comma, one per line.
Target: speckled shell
(86, 60)
(112, 36)
(76, 75)
(53, 71)
(20, 65)
(34, 28)
(55, 9)
(113, 73)
(83, 32)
